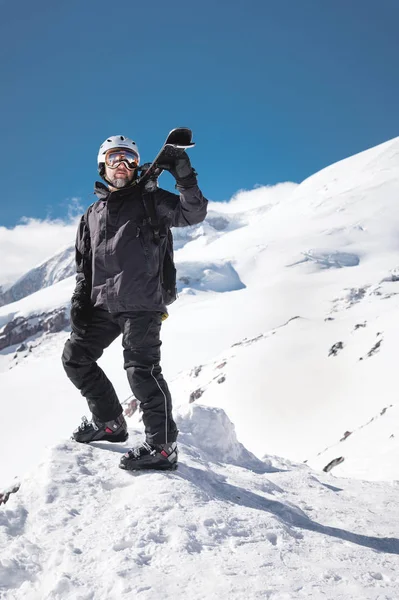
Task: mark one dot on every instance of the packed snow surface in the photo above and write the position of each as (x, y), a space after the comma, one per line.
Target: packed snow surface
(225, 525)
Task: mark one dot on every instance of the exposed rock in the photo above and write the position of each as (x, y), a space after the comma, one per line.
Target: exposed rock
(247, 341)
(345, 436)
(351, 297)
(195, 395)
(393, 276)
(131, 407)
(196, 371)
(20, 329)
(377, 292)
(221, 379)
(374, 349)
(333, 463)
(335, 348)
(4, 496)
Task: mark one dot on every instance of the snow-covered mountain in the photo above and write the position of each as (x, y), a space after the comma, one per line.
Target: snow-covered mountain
(47, 273)
(283, 343)
(287, 319)
(16, 330)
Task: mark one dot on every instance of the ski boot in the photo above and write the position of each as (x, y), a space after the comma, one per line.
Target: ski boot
(95, 431)
(148, 456)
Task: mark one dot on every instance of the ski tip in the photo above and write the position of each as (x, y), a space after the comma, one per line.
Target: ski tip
(186, 130)
(180, 136)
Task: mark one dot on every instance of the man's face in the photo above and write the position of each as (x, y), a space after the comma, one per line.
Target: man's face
(120, 176)
(120, 166)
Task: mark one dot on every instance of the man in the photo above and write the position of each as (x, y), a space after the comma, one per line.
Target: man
(119, 290)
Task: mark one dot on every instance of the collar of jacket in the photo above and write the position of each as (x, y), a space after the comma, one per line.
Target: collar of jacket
(103, 193)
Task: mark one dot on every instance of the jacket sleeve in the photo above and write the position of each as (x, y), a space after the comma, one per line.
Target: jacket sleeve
(83, 258)
(189, 208)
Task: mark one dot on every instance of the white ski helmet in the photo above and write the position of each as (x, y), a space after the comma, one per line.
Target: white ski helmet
(115, 141)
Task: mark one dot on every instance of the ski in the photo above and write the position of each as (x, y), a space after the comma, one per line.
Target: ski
(177, 142)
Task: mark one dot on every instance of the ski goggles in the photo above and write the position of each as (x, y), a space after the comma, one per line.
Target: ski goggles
(114, 157)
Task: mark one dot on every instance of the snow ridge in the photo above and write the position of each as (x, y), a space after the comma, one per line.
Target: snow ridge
(57, 268)
(81, 529)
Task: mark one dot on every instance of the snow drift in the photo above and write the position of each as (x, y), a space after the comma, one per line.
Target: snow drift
(225, 525)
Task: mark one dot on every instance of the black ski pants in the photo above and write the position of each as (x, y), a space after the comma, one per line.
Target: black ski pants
(141, 343)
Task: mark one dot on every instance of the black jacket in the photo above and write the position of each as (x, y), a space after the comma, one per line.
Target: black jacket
(118, 262)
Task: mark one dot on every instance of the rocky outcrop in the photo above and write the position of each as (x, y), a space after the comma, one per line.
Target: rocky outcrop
(20, 329)
(5, 495)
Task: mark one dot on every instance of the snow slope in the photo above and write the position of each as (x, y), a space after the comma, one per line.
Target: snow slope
(224, 525)
(55, 269)
(295, 289)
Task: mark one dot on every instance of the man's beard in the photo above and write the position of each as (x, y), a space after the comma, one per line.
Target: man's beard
(120, 182)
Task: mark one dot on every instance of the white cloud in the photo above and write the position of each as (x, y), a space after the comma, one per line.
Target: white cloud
(33, 241)
(245, 200)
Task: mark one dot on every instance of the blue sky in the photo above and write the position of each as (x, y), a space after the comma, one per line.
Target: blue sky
(273, 90)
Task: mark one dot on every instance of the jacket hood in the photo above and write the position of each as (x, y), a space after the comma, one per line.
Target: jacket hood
(101, 190)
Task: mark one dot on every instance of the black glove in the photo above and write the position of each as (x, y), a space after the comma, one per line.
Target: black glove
(81, 313)
(182, 171)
